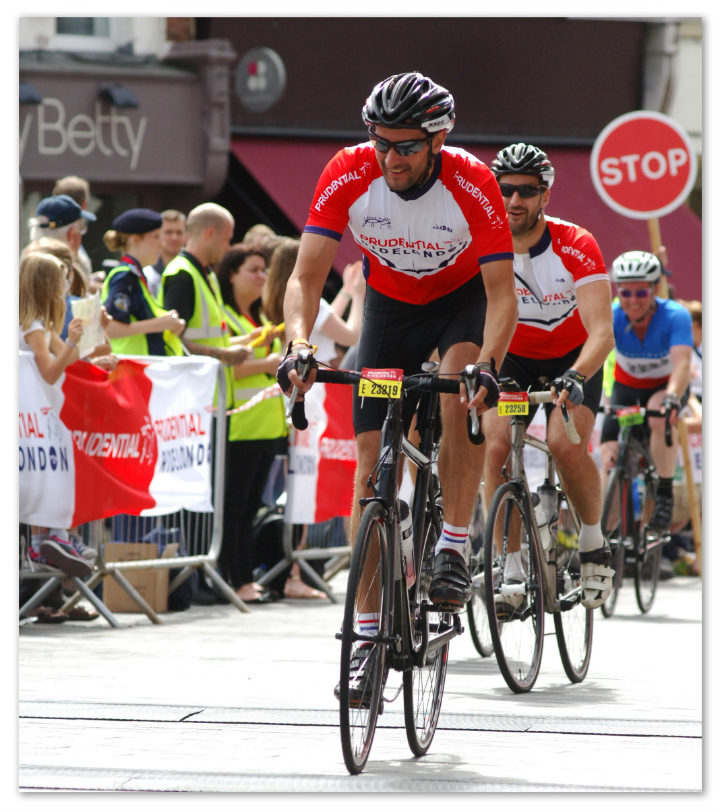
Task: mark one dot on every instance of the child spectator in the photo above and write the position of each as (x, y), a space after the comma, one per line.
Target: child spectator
(42, 285)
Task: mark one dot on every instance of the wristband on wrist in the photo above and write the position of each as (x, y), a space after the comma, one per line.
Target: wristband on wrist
(345, 293)
(71, 344)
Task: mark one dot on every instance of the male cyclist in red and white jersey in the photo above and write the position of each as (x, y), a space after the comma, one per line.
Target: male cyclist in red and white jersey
(563, 336)
(437, 250)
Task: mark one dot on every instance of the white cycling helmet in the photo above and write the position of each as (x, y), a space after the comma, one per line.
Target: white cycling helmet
(636, 266)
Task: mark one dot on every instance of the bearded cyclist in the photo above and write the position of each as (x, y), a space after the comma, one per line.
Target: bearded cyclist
(563, 336)
(653, 353)
(437, 250)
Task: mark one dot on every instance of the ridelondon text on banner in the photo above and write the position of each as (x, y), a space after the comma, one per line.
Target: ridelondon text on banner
(96, 444)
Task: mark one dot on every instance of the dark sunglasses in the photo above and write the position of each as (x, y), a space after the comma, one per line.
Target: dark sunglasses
(525, 190)
(403, 148)
(643, 293)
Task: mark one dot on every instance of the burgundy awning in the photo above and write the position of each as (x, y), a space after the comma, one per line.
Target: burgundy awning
(288, 170)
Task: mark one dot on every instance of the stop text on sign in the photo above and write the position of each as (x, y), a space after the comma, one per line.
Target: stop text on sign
(643, 165)
(653, 165)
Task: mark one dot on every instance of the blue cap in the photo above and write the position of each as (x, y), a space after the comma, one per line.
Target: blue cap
(137, 221)
(61, 210)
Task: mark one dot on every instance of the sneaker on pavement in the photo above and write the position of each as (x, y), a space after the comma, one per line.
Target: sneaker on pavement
(62, 554)
(596, 574)
(360, 684)
(450, 585)
(510, 602)
(88, 553)
(659, 523)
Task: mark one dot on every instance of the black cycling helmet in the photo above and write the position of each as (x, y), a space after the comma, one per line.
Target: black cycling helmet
(407, 100)
(524, 159)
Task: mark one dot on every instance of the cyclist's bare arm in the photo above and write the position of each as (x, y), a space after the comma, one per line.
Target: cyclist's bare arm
(501, 318)
(304, 290)
(681, 360)
(594, 303)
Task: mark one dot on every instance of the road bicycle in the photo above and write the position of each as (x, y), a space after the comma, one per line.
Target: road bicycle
(624, 522)
(391, 569)
(547, 526)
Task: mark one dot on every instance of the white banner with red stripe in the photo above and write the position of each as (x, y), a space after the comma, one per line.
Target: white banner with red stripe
(96, 444)
(322, 458)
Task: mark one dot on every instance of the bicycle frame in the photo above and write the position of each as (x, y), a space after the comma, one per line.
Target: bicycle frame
(548, 558)
(393, 447)
(632, 451)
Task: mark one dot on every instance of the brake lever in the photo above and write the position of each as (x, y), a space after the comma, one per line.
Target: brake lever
(303, 369)
(474, 431)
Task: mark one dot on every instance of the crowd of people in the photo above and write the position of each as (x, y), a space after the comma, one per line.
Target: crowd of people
(514, 292)
(179, 285)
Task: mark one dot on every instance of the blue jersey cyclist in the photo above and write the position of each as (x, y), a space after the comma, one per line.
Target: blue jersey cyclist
(430, 222)
(653, 352)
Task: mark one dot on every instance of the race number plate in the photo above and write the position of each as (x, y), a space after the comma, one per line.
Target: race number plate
(380, 383)
(512, 403)
(630, 416)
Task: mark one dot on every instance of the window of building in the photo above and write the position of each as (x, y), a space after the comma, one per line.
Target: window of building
(84, 33)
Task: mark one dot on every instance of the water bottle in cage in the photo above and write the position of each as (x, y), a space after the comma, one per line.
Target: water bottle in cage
(406, 540)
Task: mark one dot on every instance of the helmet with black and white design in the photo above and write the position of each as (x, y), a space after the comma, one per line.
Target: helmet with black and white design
(636, 266)
(524, 159)
(408, 100)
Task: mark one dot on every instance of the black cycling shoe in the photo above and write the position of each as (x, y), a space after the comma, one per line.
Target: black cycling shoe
(360, 688)
(450, 585)
(659, 523)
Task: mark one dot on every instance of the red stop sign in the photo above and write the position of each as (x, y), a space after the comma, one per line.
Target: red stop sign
(643, 165)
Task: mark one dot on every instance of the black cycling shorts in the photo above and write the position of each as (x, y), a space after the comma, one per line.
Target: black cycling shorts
(623, 395)
(398, 335)
(536, 373)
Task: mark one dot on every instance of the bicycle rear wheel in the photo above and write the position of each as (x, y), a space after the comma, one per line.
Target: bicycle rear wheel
(518, 649)
(423, 685)
(477, 609)
(615, 524)
(648, 555)
(368, 592)
(573, 623)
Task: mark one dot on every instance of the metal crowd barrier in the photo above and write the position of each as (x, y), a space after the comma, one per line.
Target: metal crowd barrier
(200, 540)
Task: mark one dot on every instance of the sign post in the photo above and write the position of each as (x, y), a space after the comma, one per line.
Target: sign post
(643, 166)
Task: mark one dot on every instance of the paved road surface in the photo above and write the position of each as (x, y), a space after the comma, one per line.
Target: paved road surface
(219, 701)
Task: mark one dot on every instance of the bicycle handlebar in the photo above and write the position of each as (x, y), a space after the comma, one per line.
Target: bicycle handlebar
(545, 396)
(426, 383)
(613, 410)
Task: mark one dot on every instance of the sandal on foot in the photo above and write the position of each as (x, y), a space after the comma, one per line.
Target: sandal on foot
(297, 588)
(596, 574)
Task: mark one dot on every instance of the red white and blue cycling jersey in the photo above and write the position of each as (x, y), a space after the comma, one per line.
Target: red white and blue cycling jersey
(646, 364)
(546, 280)
(419, 245)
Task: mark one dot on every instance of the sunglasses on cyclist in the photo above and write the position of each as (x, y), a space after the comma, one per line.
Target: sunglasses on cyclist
(626, 293)
(403, 148)
(525, 190)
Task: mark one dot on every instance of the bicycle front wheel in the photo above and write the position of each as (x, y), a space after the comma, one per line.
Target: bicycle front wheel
(518, 649)
(615, 524)
(648, 556)
(477, 608)
(363, 633)
(423, 685)
(573, 623)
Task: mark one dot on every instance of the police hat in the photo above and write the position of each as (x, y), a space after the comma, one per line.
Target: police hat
(61, 210)
(137, 221)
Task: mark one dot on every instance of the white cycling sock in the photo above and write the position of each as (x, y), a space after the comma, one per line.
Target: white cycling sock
(368, 623)
(591, 537)
(453, 538)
